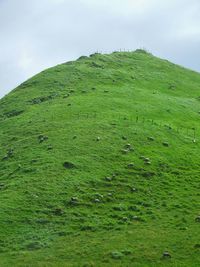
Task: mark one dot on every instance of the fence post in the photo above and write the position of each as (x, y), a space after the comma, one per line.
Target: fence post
(194, 133)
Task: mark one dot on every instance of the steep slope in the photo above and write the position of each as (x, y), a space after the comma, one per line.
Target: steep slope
(100, 165)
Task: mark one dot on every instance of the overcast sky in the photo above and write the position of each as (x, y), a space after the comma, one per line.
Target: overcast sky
(36, 34)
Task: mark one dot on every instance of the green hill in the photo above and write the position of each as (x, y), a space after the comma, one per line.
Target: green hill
(100, 165)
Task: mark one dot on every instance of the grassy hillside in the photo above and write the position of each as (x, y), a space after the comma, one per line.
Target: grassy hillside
(99, 165)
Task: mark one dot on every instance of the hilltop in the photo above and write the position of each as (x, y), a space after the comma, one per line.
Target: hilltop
(100, 165)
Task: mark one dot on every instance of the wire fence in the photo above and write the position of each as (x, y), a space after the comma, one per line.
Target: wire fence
(115, 119)
(191, 131)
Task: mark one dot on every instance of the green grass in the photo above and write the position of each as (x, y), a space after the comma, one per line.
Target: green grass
(97, 210)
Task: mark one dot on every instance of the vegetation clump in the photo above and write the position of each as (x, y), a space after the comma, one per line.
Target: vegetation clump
(42, 138)
(41, 99)
(166, 255)
(69, 165)
(13, 113)
(9, 154)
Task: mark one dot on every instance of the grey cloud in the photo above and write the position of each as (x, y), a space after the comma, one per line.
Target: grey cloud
(37, 34)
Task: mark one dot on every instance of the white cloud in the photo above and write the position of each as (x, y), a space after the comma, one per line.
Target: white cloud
(122, 7)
